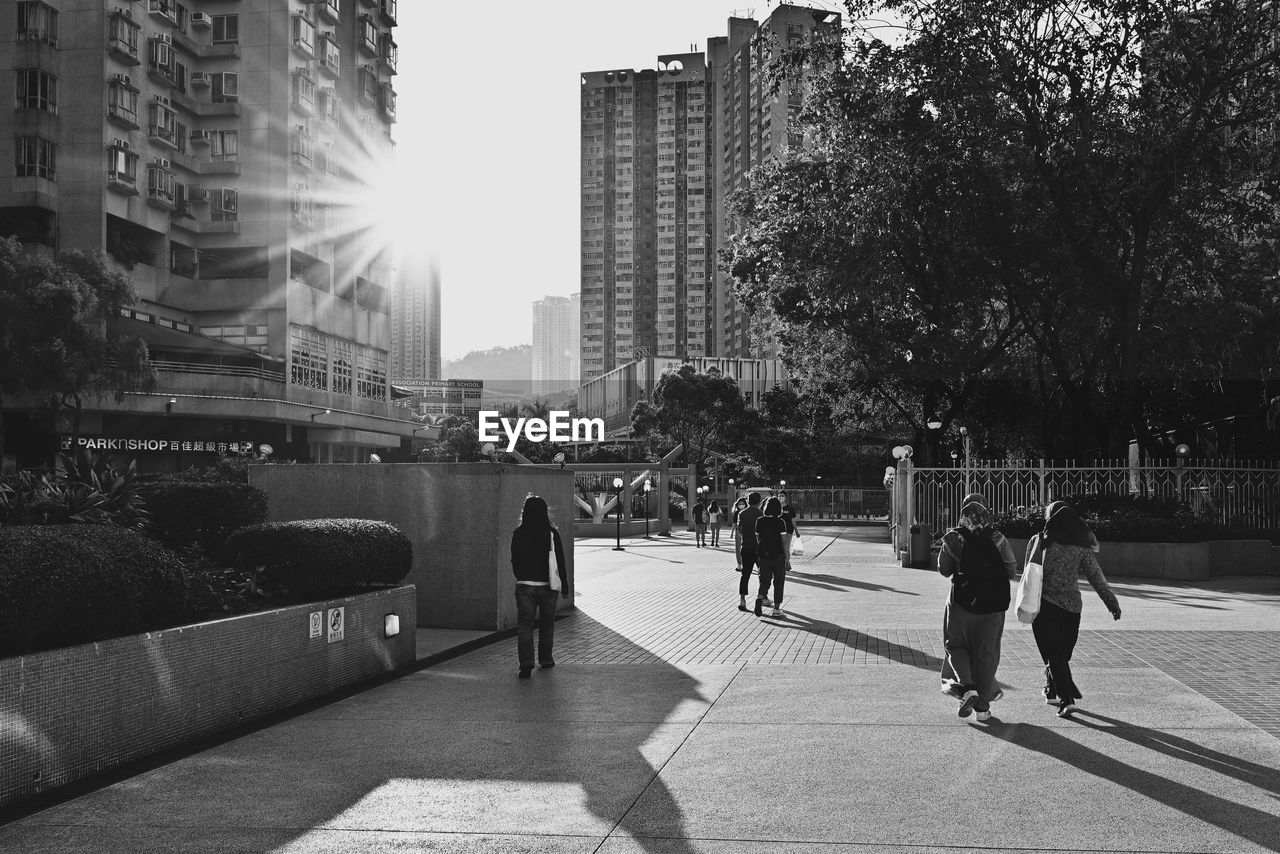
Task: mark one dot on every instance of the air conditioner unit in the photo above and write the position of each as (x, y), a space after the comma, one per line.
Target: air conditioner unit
(164, 38)
(200, 78)
(161, 162)
(160, 99)
(197, 193)
(200, 19)
(124, 79)
(199, 136)
(122, 144)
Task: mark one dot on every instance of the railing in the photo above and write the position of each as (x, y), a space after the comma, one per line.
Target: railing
(218, 370)
(1242, 495)
(838, 502)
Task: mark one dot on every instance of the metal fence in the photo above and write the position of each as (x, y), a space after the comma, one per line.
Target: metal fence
(1244, 496)
(838, 502)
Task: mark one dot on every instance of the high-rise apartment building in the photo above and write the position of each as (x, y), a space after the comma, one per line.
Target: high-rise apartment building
(415, 319)
(219, 152)
(753, 124)
(646, 213)
(661, 151)
(555, 344)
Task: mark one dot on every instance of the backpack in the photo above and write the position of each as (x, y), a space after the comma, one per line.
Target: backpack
(981, 584)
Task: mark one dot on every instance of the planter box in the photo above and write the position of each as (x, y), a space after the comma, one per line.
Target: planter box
(1180, 561)
(68, 713)
(610, 529)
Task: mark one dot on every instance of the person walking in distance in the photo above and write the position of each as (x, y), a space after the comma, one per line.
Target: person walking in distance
(538, 586)
(771, 530)
(738, 507)
(1069, 548)
(950, 683)
(980, 563)
(789, 517)
(747, 528)
(714, 515)
(700, 523)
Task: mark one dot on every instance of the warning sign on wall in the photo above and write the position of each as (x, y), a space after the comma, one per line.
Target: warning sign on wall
(336, 618)
(317, 624)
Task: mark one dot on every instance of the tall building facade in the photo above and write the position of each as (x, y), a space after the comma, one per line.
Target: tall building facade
(662, 150)
(213, 150)
(753, 125)
(646, 213)
(415, 319)
(555, 344)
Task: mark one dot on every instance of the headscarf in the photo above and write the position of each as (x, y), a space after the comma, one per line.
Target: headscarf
(1063, 525)
(974, 515)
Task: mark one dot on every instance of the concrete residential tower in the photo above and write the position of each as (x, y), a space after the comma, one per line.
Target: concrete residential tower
(646, 213)
(415, 319)
(555, 344)
(213, 149)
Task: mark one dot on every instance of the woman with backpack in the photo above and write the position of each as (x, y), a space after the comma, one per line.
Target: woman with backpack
(1068, 552)
(980, 563)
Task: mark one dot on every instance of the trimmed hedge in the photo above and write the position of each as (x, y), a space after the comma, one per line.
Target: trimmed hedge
(1130, 519)
(202, 514)
(322, 557)
(68, 584)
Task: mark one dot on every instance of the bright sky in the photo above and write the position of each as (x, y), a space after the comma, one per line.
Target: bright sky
(488, 138)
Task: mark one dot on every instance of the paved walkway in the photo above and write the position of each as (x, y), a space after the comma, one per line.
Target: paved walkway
(676, 723)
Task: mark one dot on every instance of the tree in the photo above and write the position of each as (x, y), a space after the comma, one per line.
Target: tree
(702, 412)
(1079, 195)
(55, 342)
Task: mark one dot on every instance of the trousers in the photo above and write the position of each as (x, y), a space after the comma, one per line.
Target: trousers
(535, 604)
(973, 647)
(1057, 630)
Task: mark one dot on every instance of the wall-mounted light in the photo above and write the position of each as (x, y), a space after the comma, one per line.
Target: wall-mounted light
(390, 625)
(316, 415)
(934, 424)
(168, 407)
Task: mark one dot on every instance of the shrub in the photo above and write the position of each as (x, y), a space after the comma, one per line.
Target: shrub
(69, 584)
(1127, 518)
(87, 490)
(202, 513)
(316, 558)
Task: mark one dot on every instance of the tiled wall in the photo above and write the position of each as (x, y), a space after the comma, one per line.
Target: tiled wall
(68, 713)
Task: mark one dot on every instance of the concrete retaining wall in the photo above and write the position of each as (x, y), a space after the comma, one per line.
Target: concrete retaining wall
(68, 713)
(459, 517)
(1181, 561)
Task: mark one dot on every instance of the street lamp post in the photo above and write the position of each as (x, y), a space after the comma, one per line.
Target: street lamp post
(964, 434)
(648, 485)
(617, 509)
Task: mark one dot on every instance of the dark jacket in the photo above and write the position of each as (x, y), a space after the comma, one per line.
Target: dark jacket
(530, 556)
(747, 525)
(769, 531)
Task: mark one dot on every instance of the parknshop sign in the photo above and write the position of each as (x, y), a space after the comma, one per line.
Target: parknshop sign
(157, 446)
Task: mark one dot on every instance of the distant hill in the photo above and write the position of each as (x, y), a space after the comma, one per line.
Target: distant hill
(502, 368)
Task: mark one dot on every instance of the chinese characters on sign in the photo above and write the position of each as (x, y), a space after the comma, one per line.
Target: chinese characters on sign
(171, 446)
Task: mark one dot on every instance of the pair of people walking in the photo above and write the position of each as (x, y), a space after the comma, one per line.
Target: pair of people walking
(765, 536)
(980, 563)
(705, 517)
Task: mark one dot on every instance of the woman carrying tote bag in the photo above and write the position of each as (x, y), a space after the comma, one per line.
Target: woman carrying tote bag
(1069, 548)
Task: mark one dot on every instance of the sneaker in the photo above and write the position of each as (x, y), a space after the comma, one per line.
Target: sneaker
(742, 606)
(952, 688)
(525, 672)
(759, 608)
(983, 717)
(1050, 697)
(546, 665)
(966, 705)
(999, 696)
(777, 612)
(764, 600)
(1066, 709)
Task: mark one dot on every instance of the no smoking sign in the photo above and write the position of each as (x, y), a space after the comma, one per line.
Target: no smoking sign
(336, 625)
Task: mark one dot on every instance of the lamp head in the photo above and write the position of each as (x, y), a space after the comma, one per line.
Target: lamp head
(617, 483)
(1183, 450)
(934, 424)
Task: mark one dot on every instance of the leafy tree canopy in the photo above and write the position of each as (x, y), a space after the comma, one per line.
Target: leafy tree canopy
(701, 411)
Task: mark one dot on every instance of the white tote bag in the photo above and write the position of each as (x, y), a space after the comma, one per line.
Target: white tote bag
(553, 569)
(797, 545)
(1032, 582)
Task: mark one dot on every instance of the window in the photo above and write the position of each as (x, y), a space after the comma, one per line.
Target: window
(122, 99)
(224, 144)
(368, 84)
(122, 164)
(36, 158)
(329, 159)
(226, 28)
(123, 35)
(332, 8)
(226, 87)
(389, 52)
(343, 360)
(37, 22)
(162, 122)
(328, 101)
(300, 205)
(164, 9)
(308, 359)
(160, 59)
(330, 55)
(303, 91)
(371, 374)
(37, 90)
(224, 205)
(388, 101)
(368, 34)
(304, 35)
(161, 183)
(301, 146)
